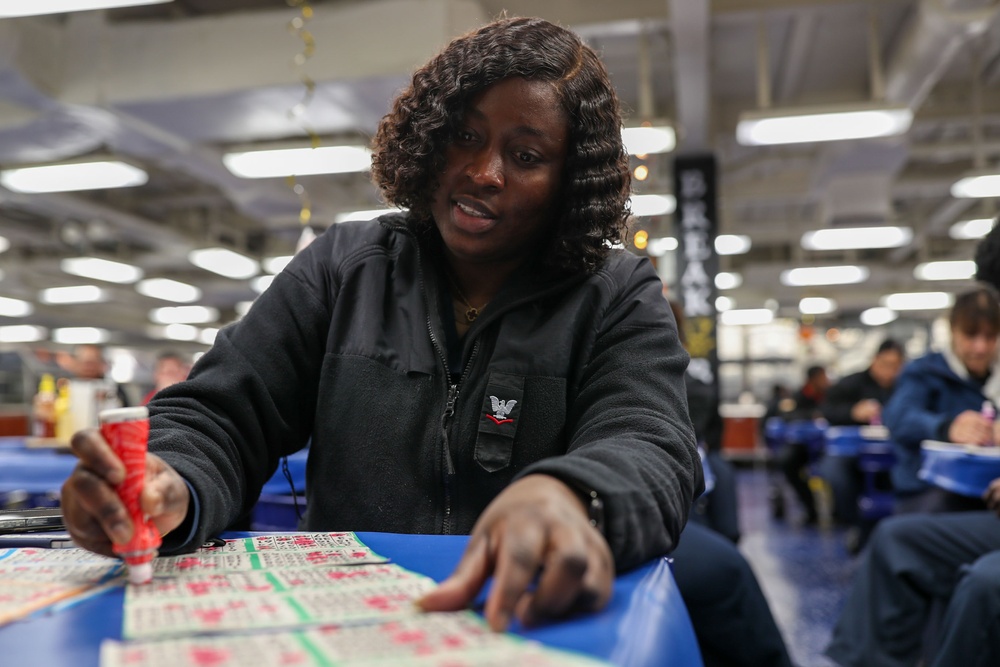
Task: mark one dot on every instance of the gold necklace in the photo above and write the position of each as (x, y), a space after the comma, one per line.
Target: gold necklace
(471, 312)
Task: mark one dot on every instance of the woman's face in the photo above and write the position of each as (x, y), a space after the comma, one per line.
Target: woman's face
(503, 174)
(976, 351)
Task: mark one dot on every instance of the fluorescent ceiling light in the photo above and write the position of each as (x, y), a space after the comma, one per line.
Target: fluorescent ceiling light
(724, 303)
(276, 264)
(367, 214)
(857, 238)
(4, 243)
(22, 333)
(80, 335)
(14, 8)
(183, 315)
(101, 269)
(877, 316)
(977, 185)
(649, 140)
(917, 300)
(747, 316)
(168, 290)
(15, 307)
(208, 335)
(242, 307)
(71, 177)
(724, 280)
(73, 294)
(834, 123)
(964, 269)
(299, 161)
(824, 275)
(732, 244)
(816, 305)
(261, 283)
(225, 262)
(966, 230)
(174, 332)
(649, 205)
(660, 246)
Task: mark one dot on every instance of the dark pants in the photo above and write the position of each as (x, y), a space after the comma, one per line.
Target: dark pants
(935, 500)
(718, 510)
(728, 610)
(794, 461)
(845, 480)
(912, 564)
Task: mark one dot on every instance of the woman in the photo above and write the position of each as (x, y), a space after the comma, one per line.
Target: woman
(483, 363)
(940, 397)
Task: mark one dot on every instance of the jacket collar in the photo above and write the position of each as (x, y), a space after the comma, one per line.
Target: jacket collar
(991, 389)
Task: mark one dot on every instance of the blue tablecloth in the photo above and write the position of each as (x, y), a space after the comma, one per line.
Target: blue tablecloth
(963, 469)
(644, 625)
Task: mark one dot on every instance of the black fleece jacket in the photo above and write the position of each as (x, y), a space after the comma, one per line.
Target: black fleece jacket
(580, 378)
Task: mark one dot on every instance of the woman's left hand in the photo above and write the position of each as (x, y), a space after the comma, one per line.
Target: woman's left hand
(537, 526)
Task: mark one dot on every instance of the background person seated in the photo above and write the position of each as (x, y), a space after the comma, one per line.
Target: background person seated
(171, 367)
(793, 457)
(857, 400)
(940, 397)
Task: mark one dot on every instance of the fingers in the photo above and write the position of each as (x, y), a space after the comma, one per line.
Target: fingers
(576, 577)
(520, 554)
(458, 590)
(94, 514)
(96, 455)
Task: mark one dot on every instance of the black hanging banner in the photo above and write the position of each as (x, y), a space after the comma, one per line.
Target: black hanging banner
(695, 224)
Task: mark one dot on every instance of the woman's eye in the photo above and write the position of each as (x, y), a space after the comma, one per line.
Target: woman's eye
(527, 157)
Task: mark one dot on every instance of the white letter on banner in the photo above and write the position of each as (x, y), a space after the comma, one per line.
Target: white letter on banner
(693, 216)
(696, 300)
(692, 184)
(696, 247)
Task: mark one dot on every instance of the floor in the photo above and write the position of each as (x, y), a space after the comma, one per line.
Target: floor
(804, 571)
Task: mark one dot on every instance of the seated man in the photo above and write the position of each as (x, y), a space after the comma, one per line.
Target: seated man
(940, 397)
(794, 456)
(857, 400)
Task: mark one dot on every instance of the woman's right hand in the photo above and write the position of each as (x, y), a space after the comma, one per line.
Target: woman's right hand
(94, 514)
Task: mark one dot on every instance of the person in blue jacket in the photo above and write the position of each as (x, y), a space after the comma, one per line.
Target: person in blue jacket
(940, 397)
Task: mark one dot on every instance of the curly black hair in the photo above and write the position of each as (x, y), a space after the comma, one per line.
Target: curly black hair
(988, 257)
(409, 147)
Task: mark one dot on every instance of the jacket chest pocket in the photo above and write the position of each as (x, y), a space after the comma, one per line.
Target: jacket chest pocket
(521, 419)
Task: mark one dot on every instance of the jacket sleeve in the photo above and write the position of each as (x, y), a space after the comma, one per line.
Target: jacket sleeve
(630, 436)
(249, 400)
(909, 414)
(841, 398)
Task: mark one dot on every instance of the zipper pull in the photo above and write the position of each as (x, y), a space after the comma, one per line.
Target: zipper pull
(449, 412)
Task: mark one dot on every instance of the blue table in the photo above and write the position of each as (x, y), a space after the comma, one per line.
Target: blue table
(963, 469)
(854, 440)
(40, 471)
(644, 624)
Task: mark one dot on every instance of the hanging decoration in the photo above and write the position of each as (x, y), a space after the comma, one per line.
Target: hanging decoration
(299, 26)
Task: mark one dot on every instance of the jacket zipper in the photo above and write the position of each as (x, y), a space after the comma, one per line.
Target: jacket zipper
(446, 420)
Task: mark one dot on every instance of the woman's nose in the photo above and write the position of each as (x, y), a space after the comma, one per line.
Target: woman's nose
(486, 168)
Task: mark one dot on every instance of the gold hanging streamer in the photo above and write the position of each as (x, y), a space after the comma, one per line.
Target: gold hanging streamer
(298, 26)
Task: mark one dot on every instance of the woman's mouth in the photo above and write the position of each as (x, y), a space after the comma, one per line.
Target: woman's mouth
(472, 219)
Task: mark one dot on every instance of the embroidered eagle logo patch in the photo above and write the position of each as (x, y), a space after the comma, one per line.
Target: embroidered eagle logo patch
(500, 410)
